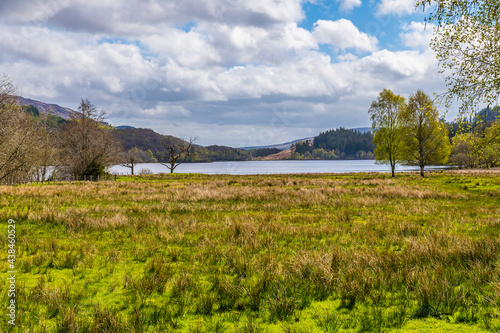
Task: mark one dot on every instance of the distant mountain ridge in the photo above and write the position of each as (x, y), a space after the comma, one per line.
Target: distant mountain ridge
(52, 109)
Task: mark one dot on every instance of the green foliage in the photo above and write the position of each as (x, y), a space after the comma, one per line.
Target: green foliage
(322, 154)
(408, 133)
(465, 150)
(303, 147)
(385, 114)
(476, 140)
(474, 123)
(53, 121)
(223, 153)
(490, 144)
(94, 169)
(466, 44)
(31, 110)
(425, 138)
(487, 115)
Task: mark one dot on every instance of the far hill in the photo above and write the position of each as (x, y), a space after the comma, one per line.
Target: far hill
(288, 145)
(44, 108)
(285, 154)
(281, 146)
(145, 140)
(333, 144)
(142, 138)
(148, 140)
(337, 143)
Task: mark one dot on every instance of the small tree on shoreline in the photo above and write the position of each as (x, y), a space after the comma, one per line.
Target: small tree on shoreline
(425, 137)
(87, 145)
(176, 152)
(385, 114)
(131, 158)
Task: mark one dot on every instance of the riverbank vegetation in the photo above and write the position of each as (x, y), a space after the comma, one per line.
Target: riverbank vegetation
(476, 141)
(412, 133)
(280, 253)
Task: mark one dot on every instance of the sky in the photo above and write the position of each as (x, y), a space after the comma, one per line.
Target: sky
(229, 72)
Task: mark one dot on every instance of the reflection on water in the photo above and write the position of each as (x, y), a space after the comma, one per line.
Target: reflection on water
(270, 167)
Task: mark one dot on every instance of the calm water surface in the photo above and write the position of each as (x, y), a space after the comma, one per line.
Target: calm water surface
(270, 167)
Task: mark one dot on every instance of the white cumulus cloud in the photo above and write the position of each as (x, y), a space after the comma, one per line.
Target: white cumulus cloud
(417, 35)
(216, 69)
(343, 34)
(396, 7)
(348, 5)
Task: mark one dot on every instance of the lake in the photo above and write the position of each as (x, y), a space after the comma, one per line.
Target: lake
(271, 167)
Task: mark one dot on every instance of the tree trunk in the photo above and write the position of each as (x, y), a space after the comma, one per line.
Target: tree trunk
(393, 167)
(422, 170)
(132, 169)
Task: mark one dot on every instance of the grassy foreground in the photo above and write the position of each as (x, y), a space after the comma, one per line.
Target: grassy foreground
(284, 253)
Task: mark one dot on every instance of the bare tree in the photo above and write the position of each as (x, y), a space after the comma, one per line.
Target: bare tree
(19, 137)
(176, 152)
(131, 158)
(87, 144)
(46, 155)
(7, 91)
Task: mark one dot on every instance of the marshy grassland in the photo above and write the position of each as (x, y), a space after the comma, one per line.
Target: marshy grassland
(279, 253)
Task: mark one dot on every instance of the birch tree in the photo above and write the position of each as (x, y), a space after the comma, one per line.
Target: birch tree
(467, 42)
(425, 139)
(385, 114)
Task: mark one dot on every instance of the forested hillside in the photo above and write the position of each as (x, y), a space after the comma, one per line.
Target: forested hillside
(148, 141)
(336, 143)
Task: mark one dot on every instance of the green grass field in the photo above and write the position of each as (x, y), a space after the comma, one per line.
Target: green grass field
(283, 253)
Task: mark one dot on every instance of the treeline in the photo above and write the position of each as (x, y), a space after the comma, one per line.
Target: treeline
(39, 147)
(476, 139)
(411, 133)
(338, 143)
